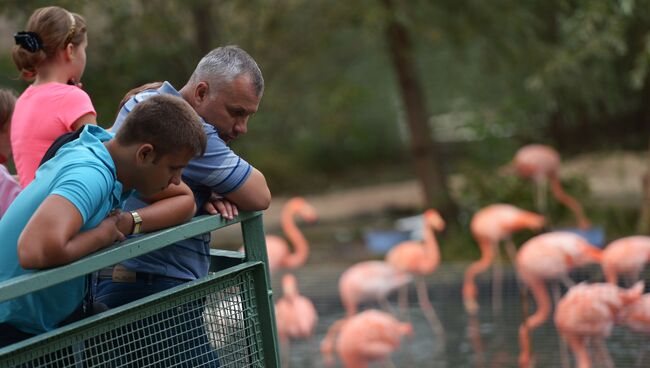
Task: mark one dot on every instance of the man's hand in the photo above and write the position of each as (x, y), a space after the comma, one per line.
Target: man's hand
(219, 205)
(110, 230)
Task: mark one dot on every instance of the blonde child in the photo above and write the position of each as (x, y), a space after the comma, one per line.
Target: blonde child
(9, 188)
(51, 52)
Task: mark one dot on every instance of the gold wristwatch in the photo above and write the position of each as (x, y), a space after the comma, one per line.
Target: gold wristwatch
(137, 222)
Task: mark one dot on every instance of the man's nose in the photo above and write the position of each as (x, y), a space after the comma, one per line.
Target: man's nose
(176, 180)
(242, 126)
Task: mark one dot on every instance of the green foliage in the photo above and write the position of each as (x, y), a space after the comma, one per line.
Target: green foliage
(569, 73)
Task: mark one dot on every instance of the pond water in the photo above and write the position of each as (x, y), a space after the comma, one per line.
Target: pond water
(496, 345)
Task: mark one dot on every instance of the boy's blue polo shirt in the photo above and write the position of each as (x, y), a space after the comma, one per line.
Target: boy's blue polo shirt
(83, 172)
(219, 170)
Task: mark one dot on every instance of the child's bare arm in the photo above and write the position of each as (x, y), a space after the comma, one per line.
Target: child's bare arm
(52, 238)
(170, 207)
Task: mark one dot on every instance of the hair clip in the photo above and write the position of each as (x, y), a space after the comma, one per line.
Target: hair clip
(29, 41)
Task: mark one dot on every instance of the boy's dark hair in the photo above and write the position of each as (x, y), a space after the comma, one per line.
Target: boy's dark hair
(167, 122)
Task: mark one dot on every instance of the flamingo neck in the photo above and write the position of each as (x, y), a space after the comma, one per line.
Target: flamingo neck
(300, 247)
(569, 202)
(431, 244)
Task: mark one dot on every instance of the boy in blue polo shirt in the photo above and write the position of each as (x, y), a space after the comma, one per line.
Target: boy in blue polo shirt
(69, 210)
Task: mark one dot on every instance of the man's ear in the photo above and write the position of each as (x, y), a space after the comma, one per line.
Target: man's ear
(145, 154)
(201, 92)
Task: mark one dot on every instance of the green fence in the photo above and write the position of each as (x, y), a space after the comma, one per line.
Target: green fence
(223, 320)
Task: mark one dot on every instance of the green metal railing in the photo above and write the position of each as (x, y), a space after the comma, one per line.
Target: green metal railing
(223, 320)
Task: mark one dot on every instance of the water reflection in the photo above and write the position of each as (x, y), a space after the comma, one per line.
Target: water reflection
(489, 340)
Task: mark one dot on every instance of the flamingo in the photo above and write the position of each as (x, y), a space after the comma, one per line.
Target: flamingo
(626, 256)
(420, 259)
(490, 226)
(371, 335)
(369, 281)
(295, 315)
(588, 312)
(277, 249)
(541, 164)
(548, 256)
(362, 282)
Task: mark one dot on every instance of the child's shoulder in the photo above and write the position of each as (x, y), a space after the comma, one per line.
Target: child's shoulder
(53, 94)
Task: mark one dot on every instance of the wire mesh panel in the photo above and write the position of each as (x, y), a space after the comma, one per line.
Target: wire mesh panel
(212, 322)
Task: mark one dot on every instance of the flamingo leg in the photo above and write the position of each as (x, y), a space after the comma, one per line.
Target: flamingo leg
(603, 352)
(497, 281)
(511, 249)
(564, 351)
(430, 314)
(403, 301)
(474, 334)
(579, 348)
(285, 353)
(541, 194)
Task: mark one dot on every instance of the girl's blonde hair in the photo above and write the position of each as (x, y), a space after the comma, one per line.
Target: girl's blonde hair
(56, 28)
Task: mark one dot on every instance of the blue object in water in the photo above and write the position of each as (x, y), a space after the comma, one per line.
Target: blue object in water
(594, 235)
(381, 241)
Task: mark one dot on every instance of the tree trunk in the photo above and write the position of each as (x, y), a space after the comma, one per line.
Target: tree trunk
(425, 152)
(644, 218)
(203, 25)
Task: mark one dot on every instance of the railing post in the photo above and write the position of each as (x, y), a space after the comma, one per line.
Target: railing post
(253, 233)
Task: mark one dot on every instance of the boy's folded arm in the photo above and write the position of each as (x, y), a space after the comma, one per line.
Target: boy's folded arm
(52, 238)
(172, 206)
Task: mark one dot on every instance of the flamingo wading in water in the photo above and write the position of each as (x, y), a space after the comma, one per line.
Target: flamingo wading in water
(278, 250)
(490, 226)
(420, 259)
(626, 256)
(588, 312)
(295, 314)
(548, 256)
(369, 336)
(541, 164)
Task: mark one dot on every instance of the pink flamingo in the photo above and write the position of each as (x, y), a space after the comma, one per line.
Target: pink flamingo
(369, 281)
(490, 226)
(295, 314)
(277, 249)
(420, 259)
(369, 336)
(588, 312)
(548, 256)
(626, 256)
(362, 282)
(541, 164)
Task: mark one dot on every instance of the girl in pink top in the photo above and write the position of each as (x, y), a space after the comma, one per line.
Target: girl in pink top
(52, 54)
(9, 188)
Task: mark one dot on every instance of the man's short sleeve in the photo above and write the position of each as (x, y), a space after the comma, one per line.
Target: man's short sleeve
(87, 187)
(219, 168)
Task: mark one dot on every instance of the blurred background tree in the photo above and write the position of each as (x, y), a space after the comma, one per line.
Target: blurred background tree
(493, 75)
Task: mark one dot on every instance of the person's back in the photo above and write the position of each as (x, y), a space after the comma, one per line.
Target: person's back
(52, 54)
(68, 211)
